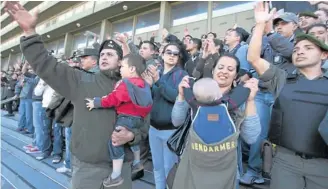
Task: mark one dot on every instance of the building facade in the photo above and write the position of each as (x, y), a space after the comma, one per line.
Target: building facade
(64, 25)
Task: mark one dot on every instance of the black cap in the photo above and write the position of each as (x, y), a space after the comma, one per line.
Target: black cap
(310, 14)
(87, 52)
(111, 44)
(311, 38)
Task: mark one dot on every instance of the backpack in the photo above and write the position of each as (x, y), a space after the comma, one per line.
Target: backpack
(213, 123)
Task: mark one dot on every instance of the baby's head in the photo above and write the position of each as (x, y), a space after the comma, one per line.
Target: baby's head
(206, 91)
(132, 65)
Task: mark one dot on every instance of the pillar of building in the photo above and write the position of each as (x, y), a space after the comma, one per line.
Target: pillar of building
(134, 27)
(5, 65)
(209, 16)
(106, 29)
(164, 17)
(68, 44)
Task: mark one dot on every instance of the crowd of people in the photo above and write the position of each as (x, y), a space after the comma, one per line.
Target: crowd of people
(117, 101)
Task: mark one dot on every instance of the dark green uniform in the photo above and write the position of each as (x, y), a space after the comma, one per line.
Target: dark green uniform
(91, 129)
(301, 158)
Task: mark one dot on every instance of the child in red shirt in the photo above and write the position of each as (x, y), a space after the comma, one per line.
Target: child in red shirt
(133, 102)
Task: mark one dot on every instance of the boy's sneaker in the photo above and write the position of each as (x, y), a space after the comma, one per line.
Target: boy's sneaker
(63, 169)
(56, 159)
(248, 179)
(109, 182)
(137, 167)
(33, 150)
(42, 157)
(29, 146)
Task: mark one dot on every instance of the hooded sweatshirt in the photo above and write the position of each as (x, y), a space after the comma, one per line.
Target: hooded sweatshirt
(88, 144)
(131, 96)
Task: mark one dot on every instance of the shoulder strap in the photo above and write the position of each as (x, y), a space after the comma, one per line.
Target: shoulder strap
(234, 51)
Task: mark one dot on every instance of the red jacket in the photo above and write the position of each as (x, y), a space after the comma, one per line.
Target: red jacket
(120, 99)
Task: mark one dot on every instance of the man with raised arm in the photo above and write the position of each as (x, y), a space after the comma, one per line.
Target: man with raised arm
(91, 129)
(301, 158)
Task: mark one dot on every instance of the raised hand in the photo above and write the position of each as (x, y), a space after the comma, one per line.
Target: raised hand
(165, 33)
(186, 32)
(206, 51)
(127, 35)
(152, 71)
(90, 104)
(120, 37)
(261, 12)
(108, 37)
(211, 46)
(183, 84)
(147, 78)
(252, 84)
(26, 21)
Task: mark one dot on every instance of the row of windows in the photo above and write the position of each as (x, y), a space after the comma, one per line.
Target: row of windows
(183, 14)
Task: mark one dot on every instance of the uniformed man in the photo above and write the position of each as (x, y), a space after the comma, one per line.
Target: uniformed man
(306, 19)
(89, 59)
(301, 159)
(319, 31)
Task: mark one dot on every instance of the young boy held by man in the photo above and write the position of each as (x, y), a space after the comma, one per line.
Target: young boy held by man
(133, 102)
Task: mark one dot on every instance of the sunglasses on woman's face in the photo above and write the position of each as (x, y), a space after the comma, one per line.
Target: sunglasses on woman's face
(172, 53)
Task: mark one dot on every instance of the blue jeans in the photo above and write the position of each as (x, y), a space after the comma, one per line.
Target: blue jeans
(58, 139)
(163, 158)
(264, 103)
(42, 128)
(130, 122)
(26, 115)
(68, 134)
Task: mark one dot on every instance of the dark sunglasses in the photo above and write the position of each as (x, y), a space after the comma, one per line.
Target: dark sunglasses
(174, 53)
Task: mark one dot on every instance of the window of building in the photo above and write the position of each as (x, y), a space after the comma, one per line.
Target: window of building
(60, 46)
(94, 30)
(79, 9)
(80, 41)
(15, 58)
(188, 12)
(124, 26)
(4, 63)
(51, 46)
(147, 22)
(221, 8)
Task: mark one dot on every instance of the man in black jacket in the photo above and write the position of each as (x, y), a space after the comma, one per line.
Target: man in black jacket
(11, 93)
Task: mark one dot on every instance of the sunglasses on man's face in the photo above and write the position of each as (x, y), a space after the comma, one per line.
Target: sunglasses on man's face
(172, 53)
